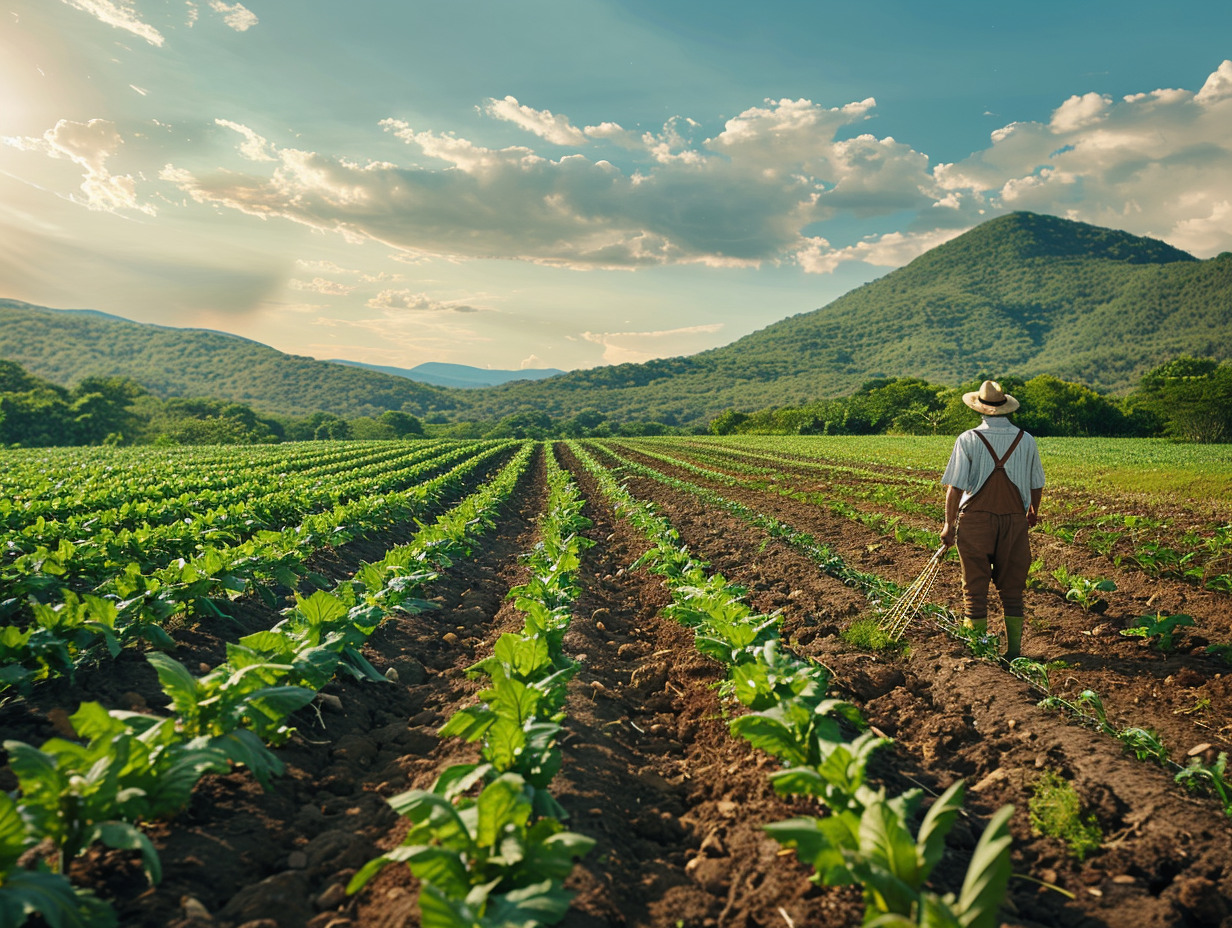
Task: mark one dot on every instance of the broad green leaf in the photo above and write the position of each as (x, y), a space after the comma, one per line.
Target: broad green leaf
(51, 895)
(936, 825)
(988, 874)
(126, 837)
(439, 911)
(502, 803)
(321, 608)
(542, 903)
(770, 736)
(175, 680)
(13, 836)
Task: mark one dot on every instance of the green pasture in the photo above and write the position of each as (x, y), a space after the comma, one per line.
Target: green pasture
(1186, 473)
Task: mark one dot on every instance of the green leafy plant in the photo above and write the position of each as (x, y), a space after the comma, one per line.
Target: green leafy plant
(1221, 651)
(1213, 775)
(1159, 628)
(1083, 591)
(483, 861)
(1055, 810)
(40, 891)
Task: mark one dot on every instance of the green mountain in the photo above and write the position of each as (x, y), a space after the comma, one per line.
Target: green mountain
(1022, 294)
(64, 346)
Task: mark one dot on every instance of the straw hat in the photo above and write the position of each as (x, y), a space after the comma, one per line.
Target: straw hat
(990, 400)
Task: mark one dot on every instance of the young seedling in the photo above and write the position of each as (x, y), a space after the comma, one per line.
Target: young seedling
(1215, 775)
(1158, 628)
(1086, 592)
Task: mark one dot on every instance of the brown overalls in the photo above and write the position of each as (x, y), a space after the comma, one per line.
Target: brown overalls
(992, 541)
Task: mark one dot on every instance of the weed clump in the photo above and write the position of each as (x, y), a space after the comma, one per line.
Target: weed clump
(867, 634)
(1056, 811)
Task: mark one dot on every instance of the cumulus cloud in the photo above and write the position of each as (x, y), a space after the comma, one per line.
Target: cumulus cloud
(254, 147)
(1157, 163)
(89, 145)
(738, 199)
(893, 249)
(392, 300)
(533, 362)
(235, 15)
(120, 14)
(635, 347)
(321, 285)
(545, 124)
(323, 267)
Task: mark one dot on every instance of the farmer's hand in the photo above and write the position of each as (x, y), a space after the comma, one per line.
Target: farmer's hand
(949, 532)
(1032, 517)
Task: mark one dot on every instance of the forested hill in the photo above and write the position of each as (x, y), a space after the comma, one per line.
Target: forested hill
(64, 346)
(1023, 294)
(1020, 295)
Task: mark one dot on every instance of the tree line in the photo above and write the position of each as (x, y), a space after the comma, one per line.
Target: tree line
(1187, 399)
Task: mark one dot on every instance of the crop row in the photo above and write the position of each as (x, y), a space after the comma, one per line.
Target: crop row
(133, 606)
(264, 496)
(866, 838)
(1130, 540)
(128, 767)
(486, 841)
(91, 547)
(63, 482)
(1211, 778)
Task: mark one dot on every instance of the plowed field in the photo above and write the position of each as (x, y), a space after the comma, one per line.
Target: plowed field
(674, 803)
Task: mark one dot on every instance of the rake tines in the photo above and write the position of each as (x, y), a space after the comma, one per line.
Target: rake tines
(894, 623)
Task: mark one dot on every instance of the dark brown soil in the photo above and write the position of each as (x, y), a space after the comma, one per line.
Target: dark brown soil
(676, 804)
(1165, 860)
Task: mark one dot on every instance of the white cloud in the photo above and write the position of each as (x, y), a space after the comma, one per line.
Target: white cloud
(323, 267)
(1157, 163)
(121, 15)
(614, 133)
(89, 145)
(235, 15)
(254, 148)
(636, 347)
(1218, 86)
(193, 14)
(545, 124)
(533, 362)
(321, 285)
(893, 249)
(1080, 112)
(393, 300)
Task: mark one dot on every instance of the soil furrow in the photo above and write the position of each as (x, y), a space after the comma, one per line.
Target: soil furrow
(1164, 860)
(675, 803)
(285, 855)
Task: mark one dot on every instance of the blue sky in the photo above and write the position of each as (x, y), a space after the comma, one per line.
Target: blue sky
(573, 183)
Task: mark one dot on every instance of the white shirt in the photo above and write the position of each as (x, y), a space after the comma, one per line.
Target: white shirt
(971, 464)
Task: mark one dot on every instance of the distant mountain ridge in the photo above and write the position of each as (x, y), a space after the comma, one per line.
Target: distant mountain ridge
(64, 346)
(462, 376)
(1023, 294)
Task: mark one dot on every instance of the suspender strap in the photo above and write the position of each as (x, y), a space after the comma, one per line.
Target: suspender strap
(999, 462)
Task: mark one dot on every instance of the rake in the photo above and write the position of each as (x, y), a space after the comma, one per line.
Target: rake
(894, 623)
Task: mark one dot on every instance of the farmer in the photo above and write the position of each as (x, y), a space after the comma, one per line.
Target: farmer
(993, 486)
